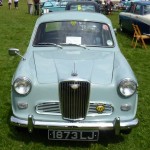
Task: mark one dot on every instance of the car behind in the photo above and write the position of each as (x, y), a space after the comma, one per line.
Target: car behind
(138, 13)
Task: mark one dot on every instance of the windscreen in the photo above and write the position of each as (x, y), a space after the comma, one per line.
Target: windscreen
(83, 7)
(74, 32)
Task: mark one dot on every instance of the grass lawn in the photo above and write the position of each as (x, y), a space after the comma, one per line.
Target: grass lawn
(15, 30)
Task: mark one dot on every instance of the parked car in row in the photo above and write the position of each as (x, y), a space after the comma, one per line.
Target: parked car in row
(43, 1)
(125, 4)
(90, 6)
(52, 6)
(73, 79)
(138, 13)
(70, 5)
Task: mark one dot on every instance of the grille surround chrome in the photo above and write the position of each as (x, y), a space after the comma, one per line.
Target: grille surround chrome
(91, 110)
(74, 99)
(53, 107)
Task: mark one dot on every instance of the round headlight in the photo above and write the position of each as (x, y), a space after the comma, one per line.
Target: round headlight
(127, 87)
(22, 85)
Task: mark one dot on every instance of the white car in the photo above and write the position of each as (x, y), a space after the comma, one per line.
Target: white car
(138, 13)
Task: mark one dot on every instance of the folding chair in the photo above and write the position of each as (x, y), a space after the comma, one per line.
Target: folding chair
(137, 36)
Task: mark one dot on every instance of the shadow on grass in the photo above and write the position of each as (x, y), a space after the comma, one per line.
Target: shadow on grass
(41, 136)
(127, 40)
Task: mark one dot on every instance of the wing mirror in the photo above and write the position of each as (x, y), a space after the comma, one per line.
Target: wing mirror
(14, 52)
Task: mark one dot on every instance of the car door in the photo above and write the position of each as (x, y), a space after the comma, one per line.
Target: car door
(125, 18)
(131, 16)
(136, 15)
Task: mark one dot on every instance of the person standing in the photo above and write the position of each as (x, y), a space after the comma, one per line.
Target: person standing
(9, 4)
(108, 7)
(16, 3)
(1, 3)
(37, 7)
(30, 4)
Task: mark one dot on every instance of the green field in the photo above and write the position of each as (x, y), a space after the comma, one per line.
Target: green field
(15, 30)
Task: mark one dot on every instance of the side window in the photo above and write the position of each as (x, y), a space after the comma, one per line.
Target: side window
(146, 9)
(137, 9)
(40, 34)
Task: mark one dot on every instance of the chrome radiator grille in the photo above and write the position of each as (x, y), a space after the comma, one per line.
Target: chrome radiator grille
(74, 99)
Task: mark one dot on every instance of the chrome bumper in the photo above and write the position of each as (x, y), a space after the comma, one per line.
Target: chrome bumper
(116, 125)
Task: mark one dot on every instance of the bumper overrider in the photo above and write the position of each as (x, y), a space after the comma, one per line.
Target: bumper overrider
(116, 125)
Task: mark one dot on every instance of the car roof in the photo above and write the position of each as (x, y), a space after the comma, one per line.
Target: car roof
(87, 3)
(142, 2)
(82, 2)
(73, 15)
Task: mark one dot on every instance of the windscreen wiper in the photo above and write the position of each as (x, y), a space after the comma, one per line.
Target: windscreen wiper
(73, 44)
(57, 45)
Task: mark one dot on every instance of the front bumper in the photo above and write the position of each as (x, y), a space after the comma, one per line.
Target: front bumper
(116, 125)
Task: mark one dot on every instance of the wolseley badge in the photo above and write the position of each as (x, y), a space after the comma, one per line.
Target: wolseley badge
(100, 108)
(74, 86)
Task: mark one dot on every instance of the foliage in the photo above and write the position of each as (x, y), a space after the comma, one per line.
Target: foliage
(15, 30)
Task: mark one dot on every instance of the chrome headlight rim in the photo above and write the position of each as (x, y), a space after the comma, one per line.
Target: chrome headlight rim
(21, 81)
(127, 82)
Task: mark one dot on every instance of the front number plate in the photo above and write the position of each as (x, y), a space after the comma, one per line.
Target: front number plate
(73, 135)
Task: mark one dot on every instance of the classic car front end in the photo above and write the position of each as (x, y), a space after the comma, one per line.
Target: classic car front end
(73, 80)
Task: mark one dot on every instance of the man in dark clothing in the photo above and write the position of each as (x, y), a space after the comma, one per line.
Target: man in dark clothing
(37, 7)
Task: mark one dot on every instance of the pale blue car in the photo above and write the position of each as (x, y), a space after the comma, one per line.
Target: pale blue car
(73, 79)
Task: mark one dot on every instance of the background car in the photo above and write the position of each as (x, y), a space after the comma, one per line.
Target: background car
(43, 1)
(125, 4)
(73, 79)
(83, 6)
(138, 13)
(52, 6)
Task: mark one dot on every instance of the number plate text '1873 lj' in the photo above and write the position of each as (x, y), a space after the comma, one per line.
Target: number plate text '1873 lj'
(73, 135)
